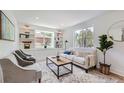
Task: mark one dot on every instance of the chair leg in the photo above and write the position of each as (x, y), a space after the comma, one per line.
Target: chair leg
(86, 70)
(39, 80)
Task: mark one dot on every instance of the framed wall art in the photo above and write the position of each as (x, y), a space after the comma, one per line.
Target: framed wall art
(7, 28)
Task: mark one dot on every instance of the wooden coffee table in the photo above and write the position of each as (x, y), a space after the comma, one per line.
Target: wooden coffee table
(61, 63)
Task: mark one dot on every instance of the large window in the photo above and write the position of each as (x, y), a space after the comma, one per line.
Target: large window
(84, 38)
(44, 38)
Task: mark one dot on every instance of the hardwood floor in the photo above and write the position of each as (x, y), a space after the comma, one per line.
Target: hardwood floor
(111, 75)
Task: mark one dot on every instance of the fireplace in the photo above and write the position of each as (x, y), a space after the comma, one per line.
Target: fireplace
(27, 44)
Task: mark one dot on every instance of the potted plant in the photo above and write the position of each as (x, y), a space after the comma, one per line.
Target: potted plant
(105, 45)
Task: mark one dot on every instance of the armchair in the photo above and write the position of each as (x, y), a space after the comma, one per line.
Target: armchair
(25, 56)
(13, 73)
(24, 53)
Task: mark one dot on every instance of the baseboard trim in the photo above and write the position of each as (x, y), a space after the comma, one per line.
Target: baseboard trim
(115, 74)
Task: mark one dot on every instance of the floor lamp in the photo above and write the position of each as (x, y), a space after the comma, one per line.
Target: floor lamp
(65, 44)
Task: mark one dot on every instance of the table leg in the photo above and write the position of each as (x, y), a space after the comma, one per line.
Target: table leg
(71, 67)
(58, 72)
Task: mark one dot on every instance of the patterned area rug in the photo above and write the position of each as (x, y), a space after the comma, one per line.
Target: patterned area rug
(78, 76)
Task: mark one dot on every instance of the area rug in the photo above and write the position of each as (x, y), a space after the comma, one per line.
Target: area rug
(78, 76)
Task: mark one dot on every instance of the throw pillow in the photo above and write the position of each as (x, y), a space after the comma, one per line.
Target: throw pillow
(67, 52)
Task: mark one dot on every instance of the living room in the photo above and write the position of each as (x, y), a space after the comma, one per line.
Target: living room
(45, 33)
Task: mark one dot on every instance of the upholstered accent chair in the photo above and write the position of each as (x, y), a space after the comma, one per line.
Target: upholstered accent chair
(24, 53)
(25, 56)
(14, 73)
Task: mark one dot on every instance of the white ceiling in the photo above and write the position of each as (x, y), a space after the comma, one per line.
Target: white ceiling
(55, 18)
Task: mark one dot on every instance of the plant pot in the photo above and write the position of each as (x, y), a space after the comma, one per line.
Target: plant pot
(104, 68)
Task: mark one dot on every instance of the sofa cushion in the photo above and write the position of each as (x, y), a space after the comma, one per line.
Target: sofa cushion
(82, 53)
(80, 60)
(70, 57)
(76, 53)
(35, 66)
(63, 55)
(75, 58)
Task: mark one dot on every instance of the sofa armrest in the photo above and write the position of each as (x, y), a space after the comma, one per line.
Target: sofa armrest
(90, 61)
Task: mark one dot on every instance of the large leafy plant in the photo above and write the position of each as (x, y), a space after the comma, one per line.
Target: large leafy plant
(105, 44)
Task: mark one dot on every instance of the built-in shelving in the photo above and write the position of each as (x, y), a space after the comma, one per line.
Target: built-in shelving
(26, 38)
(59, 39)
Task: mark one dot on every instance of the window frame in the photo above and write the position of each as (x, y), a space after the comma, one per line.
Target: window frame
(85, 30)
(44, 37)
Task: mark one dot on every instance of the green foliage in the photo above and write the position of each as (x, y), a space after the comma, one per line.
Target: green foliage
(84, 36)
(105, 44)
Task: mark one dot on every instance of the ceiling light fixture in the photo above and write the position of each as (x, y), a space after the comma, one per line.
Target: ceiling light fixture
(36, 18)
(61, 24)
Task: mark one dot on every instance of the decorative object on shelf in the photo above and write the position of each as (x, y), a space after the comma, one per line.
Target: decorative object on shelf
(26, 35)
(66, 44)
(116, 31)
(7, 28)
(46, 43)
(45, 46)
(105, 44)
(59, 39)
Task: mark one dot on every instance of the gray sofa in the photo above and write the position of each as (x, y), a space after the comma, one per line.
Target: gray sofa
(82, 57)
(14, 73)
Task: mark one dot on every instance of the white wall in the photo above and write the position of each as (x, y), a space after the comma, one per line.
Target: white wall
(36, 27)
(6, 47)
(115, 56)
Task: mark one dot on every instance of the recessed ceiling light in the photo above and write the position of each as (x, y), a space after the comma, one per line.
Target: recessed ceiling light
(36, 18)
(61, 24)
